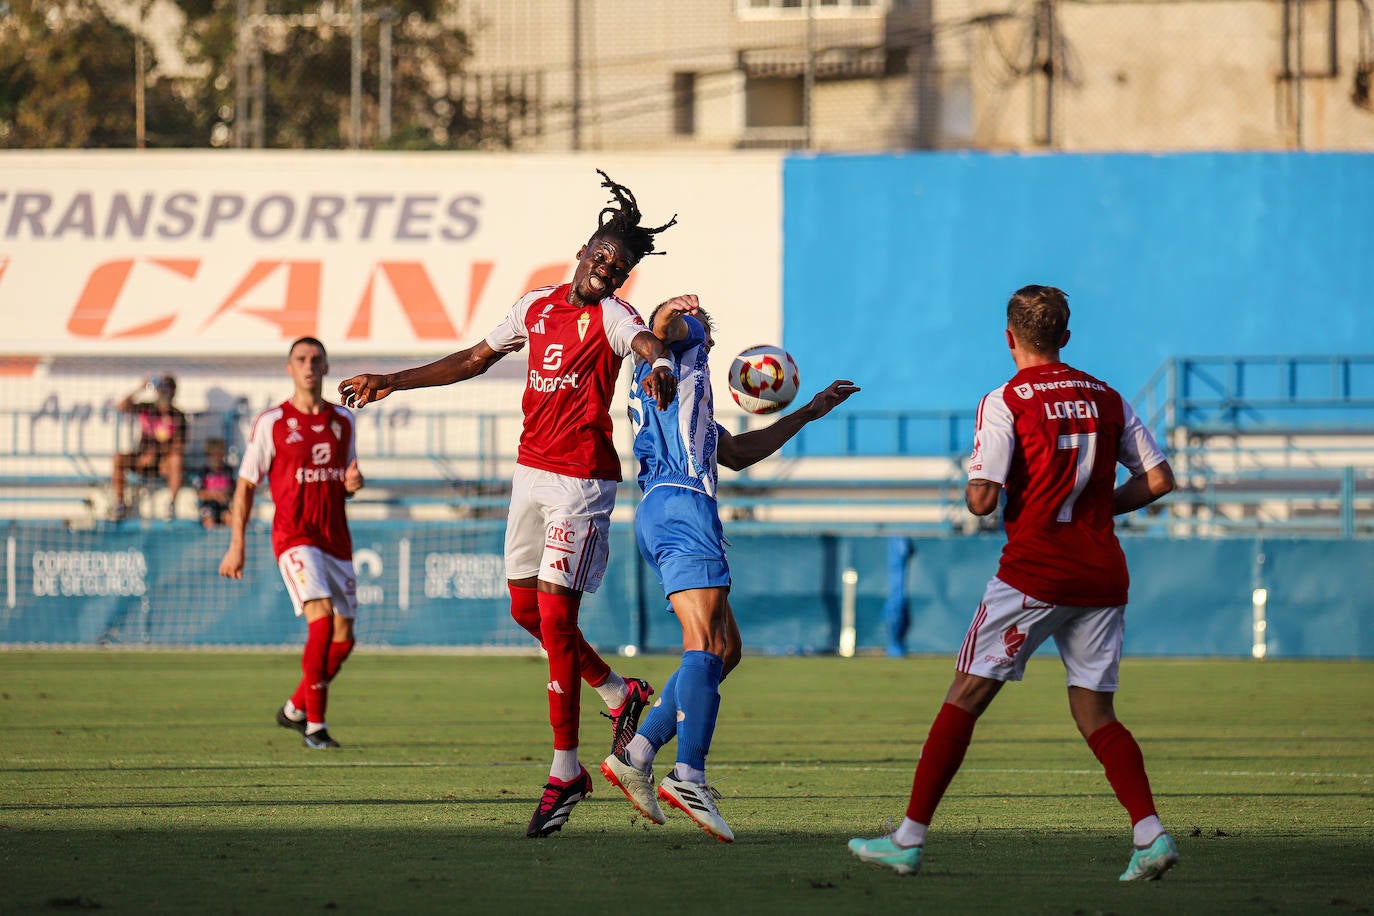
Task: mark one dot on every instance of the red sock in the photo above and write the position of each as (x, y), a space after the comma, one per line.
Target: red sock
(524, 608)
(1116, 747)
(562, 641)
(941, 756)
(314, 664)
(339, 650)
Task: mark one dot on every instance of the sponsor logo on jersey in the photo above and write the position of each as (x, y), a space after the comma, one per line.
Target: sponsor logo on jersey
(321, 452)
(538, 326)
(551, 383)
(553, 357)
(583, 322)
(1063, 383)
(319, 475)
(1024, 391)
(560, 536)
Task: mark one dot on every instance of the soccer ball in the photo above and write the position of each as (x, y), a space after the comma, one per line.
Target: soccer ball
(764, 379)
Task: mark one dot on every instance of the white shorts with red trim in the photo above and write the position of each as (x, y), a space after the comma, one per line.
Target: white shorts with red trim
(1010, 625)
(559, 528)
(310, 574)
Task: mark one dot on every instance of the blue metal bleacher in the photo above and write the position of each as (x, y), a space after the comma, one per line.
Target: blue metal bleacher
(1259, 444)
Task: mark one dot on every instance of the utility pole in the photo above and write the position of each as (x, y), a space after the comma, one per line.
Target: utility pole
(241, 95)
(140, 80)
(809, 75)
(355, 89)
(576, 74)
(385, 18)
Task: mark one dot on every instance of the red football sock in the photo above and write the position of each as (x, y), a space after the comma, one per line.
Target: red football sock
(563, 643)
(314, 664)
(1116, 747)
(524, 608)
(339, 650)
(941, 757)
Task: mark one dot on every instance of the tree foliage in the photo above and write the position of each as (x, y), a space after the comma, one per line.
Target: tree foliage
(67, 77)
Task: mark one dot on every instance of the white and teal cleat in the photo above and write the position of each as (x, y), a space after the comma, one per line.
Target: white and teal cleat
(904, 860)
(1150, 863)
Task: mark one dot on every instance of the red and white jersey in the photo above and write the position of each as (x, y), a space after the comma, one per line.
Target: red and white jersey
(575, 357)
(1052, 436)
(304, 457)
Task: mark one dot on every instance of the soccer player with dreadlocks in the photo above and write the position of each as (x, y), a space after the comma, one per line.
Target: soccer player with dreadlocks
(578, 335)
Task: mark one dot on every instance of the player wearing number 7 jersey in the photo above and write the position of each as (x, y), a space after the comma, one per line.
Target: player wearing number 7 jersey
(1051, 438)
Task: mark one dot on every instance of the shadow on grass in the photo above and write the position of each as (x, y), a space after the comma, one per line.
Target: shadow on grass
(369, 867)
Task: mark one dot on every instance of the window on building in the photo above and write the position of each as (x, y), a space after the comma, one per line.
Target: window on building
(684, 104)
(773, 101)
(800, 7)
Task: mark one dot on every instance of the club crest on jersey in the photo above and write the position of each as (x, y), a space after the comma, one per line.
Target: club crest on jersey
(583, 322)
(295, 434)
(1024, 391)
(1013, 639)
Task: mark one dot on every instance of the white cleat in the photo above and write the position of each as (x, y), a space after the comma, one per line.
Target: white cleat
(638, 786)
(697, 801)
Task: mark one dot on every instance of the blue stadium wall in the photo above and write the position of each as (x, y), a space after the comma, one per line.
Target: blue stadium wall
(897, 269)
(156, 585)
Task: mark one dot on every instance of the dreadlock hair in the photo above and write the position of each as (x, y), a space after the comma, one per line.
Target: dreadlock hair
(1039, 315)
(622, 221)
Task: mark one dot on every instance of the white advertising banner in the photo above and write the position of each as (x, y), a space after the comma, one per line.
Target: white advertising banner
(229, 253)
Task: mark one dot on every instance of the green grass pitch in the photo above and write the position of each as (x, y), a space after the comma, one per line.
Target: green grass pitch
(144, 782)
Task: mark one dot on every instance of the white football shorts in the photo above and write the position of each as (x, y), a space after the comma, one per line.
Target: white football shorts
(559, 528)
(1010, 625)
(310, 573)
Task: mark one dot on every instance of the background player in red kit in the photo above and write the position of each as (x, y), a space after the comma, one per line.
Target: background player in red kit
(564, 485)
(305, 447)
(1051, 437)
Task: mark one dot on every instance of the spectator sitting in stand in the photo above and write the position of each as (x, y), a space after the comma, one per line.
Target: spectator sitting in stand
(214, 484)
(161, 448)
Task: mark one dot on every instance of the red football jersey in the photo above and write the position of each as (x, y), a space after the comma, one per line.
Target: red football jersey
(304, 457)
(1053, 436)
(575, 357)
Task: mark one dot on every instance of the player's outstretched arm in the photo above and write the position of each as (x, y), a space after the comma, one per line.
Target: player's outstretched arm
(738, 452)
(361, 390)
(240, 509)
(668, 324)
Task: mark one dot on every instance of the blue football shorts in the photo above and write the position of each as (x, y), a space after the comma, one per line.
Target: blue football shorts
(679, 535)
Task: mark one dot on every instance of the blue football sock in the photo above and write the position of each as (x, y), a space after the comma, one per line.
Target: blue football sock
(660, 722)
(699, 700)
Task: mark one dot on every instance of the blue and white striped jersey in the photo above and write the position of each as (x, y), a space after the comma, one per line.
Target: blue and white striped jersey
(677, 446)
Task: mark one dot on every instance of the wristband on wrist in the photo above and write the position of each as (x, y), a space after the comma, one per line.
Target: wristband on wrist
(664, 362)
